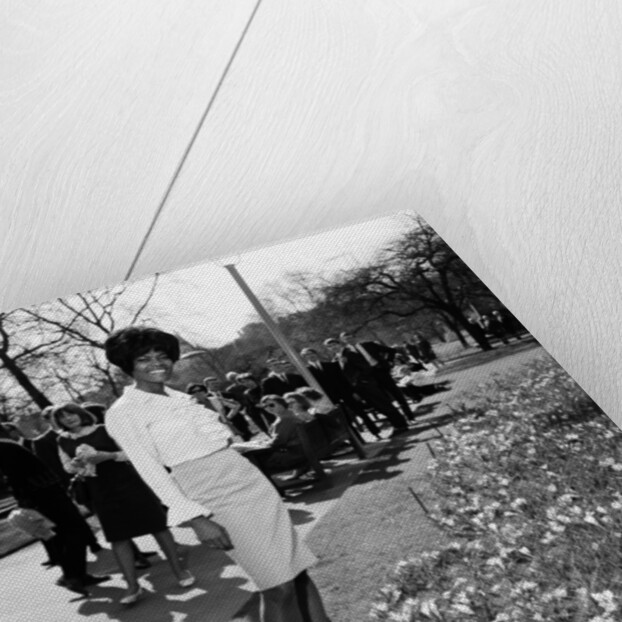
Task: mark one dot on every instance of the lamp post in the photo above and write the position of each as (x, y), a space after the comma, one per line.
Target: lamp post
(274, 329)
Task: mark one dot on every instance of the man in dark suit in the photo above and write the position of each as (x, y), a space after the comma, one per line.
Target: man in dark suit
(35, 487)
(227, 407)
(334, 384)
(361, 376)
(252, 396)
(235, 389)
(380, 359)
(278, 381)
(247, 396)
(328, 375)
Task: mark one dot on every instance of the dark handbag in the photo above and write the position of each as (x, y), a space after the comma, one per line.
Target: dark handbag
(78, 491)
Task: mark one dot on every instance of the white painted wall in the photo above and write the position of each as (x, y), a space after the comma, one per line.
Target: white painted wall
(499, 121)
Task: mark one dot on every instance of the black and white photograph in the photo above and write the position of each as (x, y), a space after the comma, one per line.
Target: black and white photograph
(310, 311)
(344, 426)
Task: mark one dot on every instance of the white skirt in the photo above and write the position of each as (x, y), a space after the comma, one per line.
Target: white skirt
(265, 543)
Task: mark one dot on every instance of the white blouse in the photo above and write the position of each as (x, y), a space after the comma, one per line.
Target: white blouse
(157, 431)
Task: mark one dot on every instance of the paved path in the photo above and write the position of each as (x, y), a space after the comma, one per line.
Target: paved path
(334, 521)
(378, 522)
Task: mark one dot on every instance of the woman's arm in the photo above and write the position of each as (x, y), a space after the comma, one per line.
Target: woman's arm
(234, 406)
(69, 464)
(105, 456)
(136, 442)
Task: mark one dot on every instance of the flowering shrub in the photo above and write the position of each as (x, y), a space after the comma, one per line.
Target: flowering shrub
(528, 484)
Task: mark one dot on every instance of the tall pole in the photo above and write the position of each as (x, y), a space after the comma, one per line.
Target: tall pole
(274, 329)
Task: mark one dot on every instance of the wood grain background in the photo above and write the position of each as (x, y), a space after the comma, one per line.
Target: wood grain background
(499, 121)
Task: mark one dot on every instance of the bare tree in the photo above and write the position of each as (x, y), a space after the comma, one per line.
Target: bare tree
(59, 344)
(418, 273)
(18, 355)
(87, 319)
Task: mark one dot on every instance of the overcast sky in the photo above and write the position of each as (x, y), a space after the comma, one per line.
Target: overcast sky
(205, 305)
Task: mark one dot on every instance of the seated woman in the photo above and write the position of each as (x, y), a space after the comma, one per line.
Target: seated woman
(299, 405)
(319, 403)
(284, 449)
(326, 413)
(125, 506)
(183, 452)
(227, 409)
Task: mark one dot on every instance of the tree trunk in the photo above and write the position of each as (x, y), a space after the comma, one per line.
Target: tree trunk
(24, 381)
(440, 334)
(456, 330)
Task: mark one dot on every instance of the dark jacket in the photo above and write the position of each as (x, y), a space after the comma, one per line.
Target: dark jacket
(275, 385)
(25, 473)
(331, 378)
(381, 353)
(45, 447)
(355, 367)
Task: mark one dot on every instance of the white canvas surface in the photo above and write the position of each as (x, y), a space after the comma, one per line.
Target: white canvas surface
(498, 121)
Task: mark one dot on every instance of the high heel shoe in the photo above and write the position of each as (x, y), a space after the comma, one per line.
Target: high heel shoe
(188, 581)
(132, 598)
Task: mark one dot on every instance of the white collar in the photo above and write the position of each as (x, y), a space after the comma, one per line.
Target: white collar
(133, 391)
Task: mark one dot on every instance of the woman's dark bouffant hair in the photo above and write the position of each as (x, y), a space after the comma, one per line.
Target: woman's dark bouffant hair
(124, 346)
(56, 412)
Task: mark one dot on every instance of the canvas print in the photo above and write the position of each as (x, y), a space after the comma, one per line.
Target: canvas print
(349, 426)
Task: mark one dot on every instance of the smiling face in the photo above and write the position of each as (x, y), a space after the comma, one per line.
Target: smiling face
(151, 370)
(70, 421)
(273, 407)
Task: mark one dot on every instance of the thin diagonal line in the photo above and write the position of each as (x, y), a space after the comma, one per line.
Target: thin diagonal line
(184, 156)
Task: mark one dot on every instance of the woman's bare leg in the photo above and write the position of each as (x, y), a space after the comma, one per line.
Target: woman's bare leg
(169, 548)
(124, 554)
(280, 604)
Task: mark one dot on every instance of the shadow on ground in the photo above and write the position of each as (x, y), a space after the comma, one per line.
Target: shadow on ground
(164, 601)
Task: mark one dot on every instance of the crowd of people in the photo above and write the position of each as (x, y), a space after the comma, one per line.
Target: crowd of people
(363, 376)
(160, 458)
(140, 467)
(497, 324)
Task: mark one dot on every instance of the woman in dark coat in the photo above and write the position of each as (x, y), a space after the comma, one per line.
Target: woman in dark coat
(125, 505)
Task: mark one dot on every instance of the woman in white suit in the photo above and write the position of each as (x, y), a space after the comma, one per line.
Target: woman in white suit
(182, 451)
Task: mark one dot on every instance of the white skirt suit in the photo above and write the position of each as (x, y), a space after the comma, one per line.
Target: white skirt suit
(208, 479)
